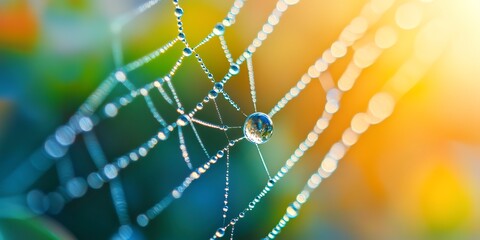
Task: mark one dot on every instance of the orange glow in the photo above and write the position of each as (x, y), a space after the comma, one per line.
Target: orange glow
(18, 26)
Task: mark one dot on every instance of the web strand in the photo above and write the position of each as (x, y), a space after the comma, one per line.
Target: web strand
(251, 80)
(263, 161)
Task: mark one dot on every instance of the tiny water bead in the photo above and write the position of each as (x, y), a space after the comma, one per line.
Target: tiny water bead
(183, 120)
(219, 29)
(218, 87)
(187, 52)
(212, 94)
(220, 232)
(181, 36)
(163, 134)
(178, 12)
(120, 76)
(234, 69)
(258, 128)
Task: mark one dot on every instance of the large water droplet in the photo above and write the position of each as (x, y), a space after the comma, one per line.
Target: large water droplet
(258, 128)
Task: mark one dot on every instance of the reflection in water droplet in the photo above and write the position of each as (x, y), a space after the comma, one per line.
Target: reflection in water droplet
(258, 128)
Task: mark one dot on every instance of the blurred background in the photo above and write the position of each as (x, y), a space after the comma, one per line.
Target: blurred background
(414, 176)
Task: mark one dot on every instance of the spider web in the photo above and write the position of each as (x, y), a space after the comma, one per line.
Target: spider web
(101, 106)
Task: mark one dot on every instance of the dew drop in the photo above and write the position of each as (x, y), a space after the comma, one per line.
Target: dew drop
(213, 160)
(85, 124)
(76, 187)
(36, 201)
(94, 180)
(181, 110)
(65, 135)
(133, 156)
(123, 162)
(178, 12)
(181, 36)
(218, 87)
(124, 232)
(120, 76)
(212, 94)
(111, 110)
(234, 69)
(163, 135)
(110, 171)
(270, 183)
(258, 128)
(54, 149)
(220, 232)
(291, 212)
(187, 52)
(219, 29)
(142, 220)
(183, 120)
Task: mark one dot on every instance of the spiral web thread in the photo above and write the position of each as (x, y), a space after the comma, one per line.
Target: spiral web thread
(94, 110)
